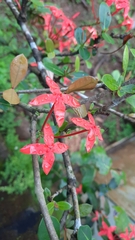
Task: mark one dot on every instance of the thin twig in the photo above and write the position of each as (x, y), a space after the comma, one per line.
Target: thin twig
(38, 186)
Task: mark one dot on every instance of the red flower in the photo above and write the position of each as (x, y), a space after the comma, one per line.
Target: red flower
(120, 4)
(96, 216)
(79, 189)
(107, 231)
(125, 236)
(58, 98)
(128, 22)
(91, 127)
(132, 233)
(47, 150)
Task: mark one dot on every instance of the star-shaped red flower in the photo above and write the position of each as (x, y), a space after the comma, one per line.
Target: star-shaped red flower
(91, 127)
(125, 236)
(58, 98)
(107, 231)
(46, 149)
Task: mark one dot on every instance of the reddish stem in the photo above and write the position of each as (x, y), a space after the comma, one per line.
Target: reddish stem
(50, 112)
(71, 134)
(93, 9)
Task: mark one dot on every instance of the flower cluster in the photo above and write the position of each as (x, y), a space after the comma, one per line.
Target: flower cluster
(59, 100)
(125, 6)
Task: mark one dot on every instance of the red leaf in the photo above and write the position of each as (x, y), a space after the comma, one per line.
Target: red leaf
(59, 147)
(48, 135)
(48, 161)
(53, 86)
(42, 99)
(35, 148)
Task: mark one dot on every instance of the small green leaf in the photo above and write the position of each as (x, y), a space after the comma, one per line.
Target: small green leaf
(104, 16)
(132, 51)
(49, 45)
(47, 192)
(80, 35)
(119, 176)
(84, 233)
(126, 89)
(77, 75)
(77, 64)
(131, 100)
(121, 220)
(62, 205)
(53, 68)
(108, 38)
(88, 64)
(85, 209)
(106, 207)
(51, 55)
(110, 82)
(42, 230)
(84, 53)
(50, 207)
(125, 59)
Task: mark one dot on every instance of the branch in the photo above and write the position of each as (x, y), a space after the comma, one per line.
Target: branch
(38, 186)
(119, 114)
(29, 38)
(32, 109)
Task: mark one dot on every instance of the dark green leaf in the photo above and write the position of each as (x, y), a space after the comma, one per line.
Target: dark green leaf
(80, 35)
(126, 89)
(47, 192)
(62, 205)
(89, 175)
(85, 209)
(84, 53)
(53, 68)
(106, 207)
(110, 82)
(84, 233)
(108, 38)
(104, 16)
(42, 230)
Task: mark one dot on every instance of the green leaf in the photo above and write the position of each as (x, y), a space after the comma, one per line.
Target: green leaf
(49, 45)
(118, 176)
(108, 38)
(99, 158)
(126, 89)
(50, 207)
(80, 35)
(106, 207)
(104, 16)
(51, 55)
(88, 64)
(77, 64)
(84, 233)
(77, 75)
(121, 220)
(131, 100)
(47, 192)
(64, 205)
(85, 209)
(125, 59)
(42, 230)
(110, 82)
(53, 68)
(84, 53)
(89, 175)
(132, 51)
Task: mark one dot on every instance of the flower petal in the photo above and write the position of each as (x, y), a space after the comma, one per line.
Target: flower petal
(69, 100)
(81, 123)
(90, 141)
(59, 147)
(48, 161)
(35, 148)
(48, 135)
(42, 99)
(59, 111)
(91, 119)
(53, 86)
(98, 133)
